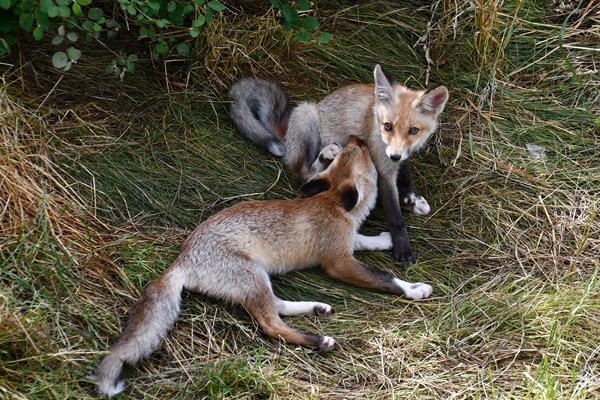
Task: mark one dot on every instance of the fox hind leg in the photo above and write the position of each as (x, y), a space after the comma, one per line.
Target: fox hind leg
(326, 156)
(263, 308)
(285, 307)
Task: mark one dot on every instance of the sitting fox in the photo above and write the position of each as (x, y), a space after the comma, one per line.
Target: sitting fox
(231, 255)
(394, 120)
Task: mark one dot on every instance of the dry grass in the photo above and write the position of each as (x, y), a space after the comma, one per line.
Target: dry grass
(100, 182)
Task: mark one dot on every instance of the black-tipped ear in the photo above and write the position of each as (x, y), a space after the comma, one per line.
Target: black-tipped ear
(349, 196)
(314, 186)
(434, 101)
(383, 85)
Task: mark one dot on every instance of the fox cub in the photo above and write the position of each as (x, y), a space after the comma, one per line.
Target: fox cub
(231, 255)
(394, 120)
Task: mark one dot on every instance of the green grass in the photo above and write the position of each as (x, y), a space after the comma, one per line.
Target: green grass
(101, 181)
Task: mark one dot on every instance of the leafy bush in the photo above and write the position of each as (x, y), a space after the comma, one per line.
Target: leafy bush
(73, 19)
(161, 22)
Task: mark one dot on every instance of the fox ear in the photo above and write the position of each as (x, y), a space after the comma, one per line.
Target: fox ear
(434, 101)
(314, 186)
(383, 85)
(349, 196)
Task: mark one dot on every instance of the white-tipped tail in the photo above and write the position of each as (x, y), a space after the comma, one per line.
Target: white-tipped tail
(149, 321)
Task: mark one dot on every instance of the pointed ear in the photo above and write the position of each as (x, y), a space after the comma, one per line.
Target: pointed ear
(314, 186)
(434, 101)
(383, 86)
(349, 196)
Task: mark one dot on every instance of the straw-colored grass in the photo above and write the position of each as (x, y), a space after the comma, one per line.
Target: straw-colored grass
(101, 181)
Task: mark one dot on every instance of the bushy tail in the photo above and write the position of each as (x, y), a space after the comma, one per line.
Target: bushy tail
(260, 112)
(149, 321)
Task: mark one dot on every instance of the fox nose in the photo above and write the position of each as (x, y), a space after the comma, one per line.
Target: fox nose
(395, 157)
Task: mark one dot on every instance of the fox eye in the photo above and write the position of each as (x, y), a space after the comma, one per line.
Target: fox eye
(413, 131)
(387, 126)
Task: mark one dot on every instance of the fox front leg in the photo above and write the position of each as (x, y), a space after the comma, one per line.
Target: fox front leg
(350, 270)
(408, 199)
(388, 192)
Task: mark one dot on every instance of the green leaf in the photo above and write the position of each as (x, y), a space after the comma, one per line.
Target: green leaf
(26, 22)
(208, 15)
(199, 2)
(5, 4)
(60, 59)
(63, 2)
(325, 37)
(73, 53)
(72, 36)
(198, 21)
(95, 13)
(111, 23)
(56, 40)
(38, 33)
(131, 9)
(310, 23)
(183, 49)
(97, 28)
(68, 66)
(154, 5)
(61, 30)
(161, 48)
(110, 68)
(188, 9)
(194, 32)
(44, 5)
(161, 23)
(303, 36)
(42, 19)
(275, 3)
(132, 57)
(64, 11)
(130, 66)
(52, 11)
(216, 5)
(87, 25)
(83, 2)
(303, 5)
(171, 6)
(77, 10)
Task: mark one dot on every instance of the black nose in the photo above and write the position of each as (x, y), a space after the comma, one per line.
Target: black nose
(395, 157)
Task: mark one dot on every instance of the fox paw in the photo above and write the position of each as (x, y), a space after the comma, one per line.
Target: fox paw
(418, 291)
(327, 343)
(322, 309)
(328, 153)
(416, 204)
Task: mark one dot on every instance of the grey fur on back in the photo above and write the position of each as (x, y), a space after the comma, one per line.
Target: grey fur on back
(260, 110)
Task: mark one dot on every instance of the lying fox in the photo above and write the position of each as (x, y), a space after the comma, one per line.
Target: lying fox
(394, 120)
(231, 255)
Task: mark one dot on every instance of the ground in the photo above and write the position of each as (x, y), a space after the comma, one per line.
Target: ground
(102, 180)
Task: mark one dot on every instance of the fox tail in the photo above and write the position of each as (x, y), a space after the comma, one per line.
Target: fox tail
(260, 111)
(149, 322)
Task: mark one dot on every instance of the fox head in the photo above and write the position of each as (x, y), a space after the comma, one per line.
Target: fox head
(350, 181)
(405, 117)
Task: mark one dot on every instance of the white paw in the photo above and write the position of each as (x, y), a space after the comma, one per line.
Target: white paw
(416, 204)
(322, 309)
(421, 206)
(329, 152)
(418, 291)
(327, 343)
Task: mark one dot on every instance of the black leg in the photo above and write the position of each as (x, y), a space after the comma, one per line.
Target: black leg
(388, 192)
